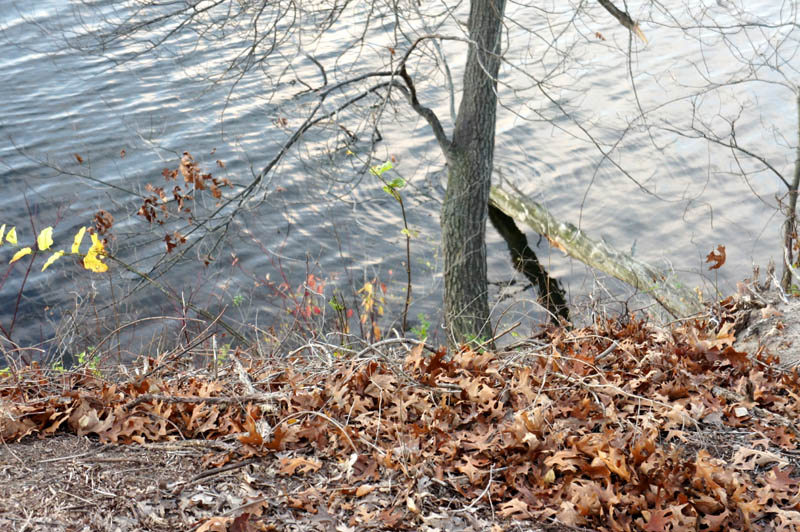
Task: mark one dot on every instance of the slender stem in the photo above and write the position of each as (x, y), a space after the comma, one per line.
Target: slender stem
(790, 226)
(19, 296)
(233, 332)
(408, 260)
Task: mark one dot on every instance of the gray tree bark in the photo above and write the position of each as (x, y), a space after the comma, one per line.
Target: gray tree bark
(790, 225)
(470, 161)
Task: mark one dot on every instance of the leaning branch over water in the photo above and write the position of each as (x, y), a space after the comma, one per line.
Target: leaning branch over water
(675, 298)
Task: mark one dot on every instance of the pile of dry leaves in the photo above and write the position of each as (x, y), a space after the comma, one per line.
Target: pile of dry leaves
(624, 426)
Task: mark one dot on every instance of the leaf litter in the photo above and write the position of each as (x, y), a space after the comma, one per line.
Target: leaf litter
(624, 426)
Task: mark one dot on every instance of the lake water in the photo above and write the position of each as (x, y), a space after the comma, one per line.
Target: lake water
(318, 214)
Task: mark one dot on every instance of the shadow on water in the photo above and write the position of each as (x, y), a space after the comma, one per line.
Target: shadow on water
(524, 260)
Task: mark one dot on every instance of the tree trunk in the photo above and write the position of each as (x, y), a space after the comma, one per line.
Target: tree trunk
(790, 225)
(470, 160)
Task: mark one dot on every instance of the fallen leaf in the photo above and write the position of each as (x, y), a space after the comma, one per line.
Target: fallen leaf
(390, 517)
(516, 508)
(365, 489)
(659, 521)
(253, 437)
(241, 524)
(215, 524)
(289, 466)
(769, 311)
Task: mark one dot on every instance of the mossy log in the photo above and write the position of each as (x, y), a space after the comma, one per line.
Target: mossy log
(676, 299)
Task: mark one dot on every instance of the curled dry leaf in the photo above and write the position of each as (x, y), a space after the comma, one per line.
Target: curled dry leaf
(717, 257)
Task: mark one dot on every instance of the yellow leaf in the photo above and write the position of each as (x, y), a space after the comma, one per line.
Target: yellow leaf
(54, 257)
(45, 239)
(97, 245)
(92, 260)
(19, 254)
(367, 289)
(76, 243)
(11, 237)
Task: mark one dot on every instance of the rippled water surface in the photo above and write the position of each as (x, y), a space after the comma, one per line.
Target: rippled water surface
(317, 214)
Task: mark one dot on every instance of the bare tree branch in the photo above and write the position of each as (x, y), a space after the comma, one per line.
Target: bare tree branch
(624, 18)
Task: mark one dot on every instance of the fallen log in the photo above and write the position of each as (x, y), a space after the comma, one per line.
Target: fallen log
(676, 299)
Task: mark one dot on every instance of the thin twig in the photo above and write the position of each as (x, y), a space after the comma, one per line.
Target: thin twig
(251, 398)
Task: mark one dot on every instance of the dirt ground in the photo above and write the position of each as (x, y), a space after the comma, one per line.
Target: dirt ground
(773, 324)
(71, 483)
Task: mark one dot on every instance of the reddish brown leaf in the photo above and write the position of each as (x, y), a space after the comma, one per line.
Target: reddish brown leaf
(391, 518)
(660, 521)
(474, 474)
(254, 438)
(780, 480)
(277, 438)
(241, 524)
(365, 468)
(103, 221)
(566, 461)
(435, 366)
(717, 257)
(215, 524)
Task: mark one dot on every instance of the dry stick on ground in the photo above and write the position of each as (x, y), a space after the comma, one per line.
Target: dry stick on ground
(179, 487)
(251, 398)
(182, 445)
